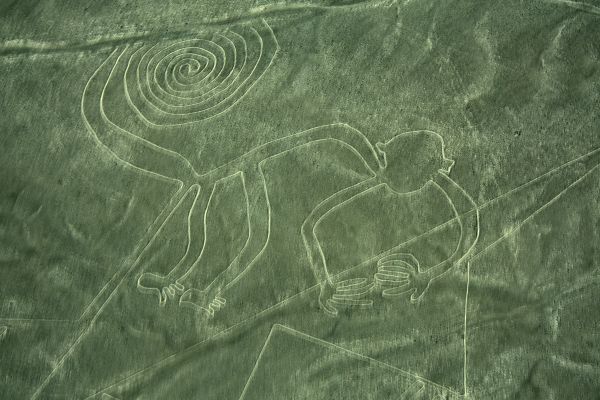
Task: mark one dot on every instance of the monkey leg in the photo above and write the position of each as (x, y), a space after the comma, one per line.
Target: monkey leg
(164, 285)
(199, 293)
(347, 293)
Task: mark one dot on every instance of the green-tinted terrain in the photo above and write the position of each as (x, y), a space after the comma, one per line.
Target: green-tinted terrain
(300, 200)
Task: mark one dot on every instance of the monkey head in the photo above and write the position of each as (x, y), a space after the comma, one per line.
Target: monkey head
(412, 159)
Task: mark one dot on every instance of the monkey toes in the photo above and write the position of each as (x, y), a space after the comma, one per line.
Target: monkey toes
(202, 301)
(150, 283)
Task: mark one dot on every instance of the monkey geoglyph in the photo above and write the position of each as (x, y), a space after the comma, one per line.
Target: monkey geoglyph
(405, 163)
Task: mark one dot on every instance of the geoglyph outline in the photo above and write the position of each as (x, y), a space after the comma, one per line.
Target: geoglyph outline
(493, 244)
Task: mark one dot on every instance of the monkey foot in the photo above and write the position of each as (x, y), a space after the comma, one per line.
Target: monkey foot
(162, 286)
(202, 301)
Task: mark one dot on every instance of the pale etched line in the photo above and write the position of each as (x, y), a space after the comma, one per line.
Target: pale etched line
(246, 321)
(496, 242)
(235, 71)
(413, 390)
(283, 7)
(209, 56)
(465, 388)
(544, 175)
(496, 199)
(276, 153)
(108, 397)
(310, 216)
(31, 320)
(189, 88)
(484, 205)
(186, 56)
(27, 45)
(578, 5)
(150, 83)
(107, 120)
(137, 85)
(204, 228)
(174, 199)
(236, 67)
(350, 353)
(466, 257)
(182, 49)
(532, 215)
(190, 85)
(273, 38)
(253, 372)
(262, 250)
(227, 102)
(209, 79)
(3, 331)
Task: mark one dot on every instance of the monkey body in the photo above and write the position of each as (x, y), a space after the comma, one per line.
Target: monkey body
(376, 159)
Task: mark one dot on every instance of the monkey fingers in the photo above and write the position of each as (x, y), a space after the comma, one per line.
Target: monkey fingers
(389, 280)
(198, 300)
(220, 301)
(209, 311)
(153, 284)
(391, 276)
(396, 270)
(217, 304)
(355, 303)
(352, 293)
(398, 291)
(353, 288)
(351, 283)
(169, 292)
(398, 259)
(177, 287)
(162, 297)
(329, 308)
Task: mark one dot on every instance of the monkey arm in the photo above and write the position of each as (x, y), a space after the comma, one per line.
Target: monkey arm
(338, 133)
(467, 215)
(311, 242)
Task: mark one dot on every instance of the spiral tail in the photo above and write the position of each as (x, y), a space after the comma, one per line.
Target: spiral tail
(176, 82)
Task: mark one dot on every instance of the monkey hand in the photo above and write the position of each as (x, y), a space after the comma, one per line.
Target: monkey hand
(345, 294)
(399, 275)
(151, 283)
